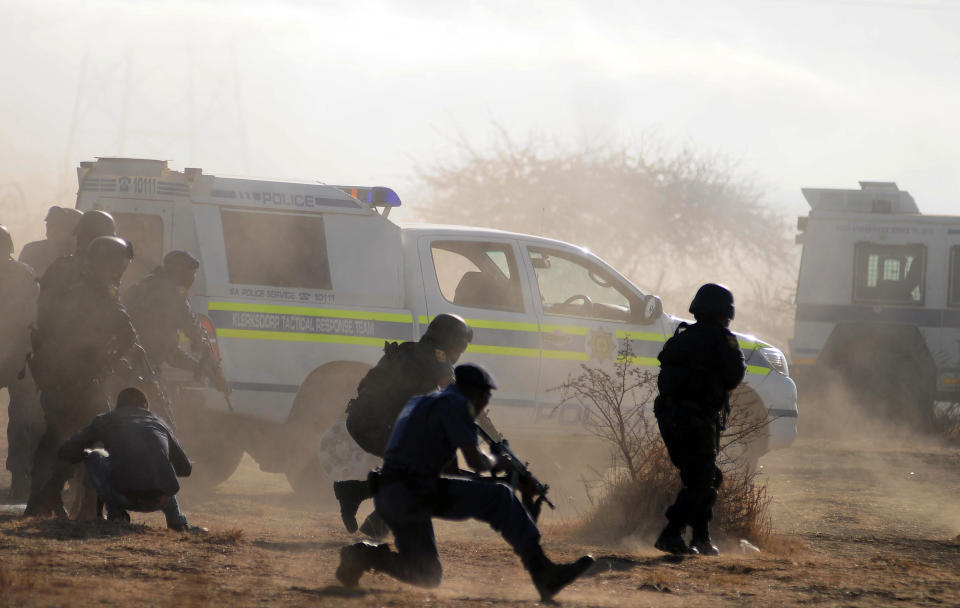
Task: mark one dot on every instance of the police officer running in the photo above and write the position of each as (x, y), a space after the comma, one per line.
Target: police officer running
(405, 370)
(411, 491)
(61, 222)
(138, 465)
(699, 366)
(81, 338)
(18, 286)
(160, 310)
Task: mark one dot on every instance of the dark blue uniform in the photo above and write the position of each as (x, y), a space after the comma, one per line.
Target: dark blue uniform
(412, 491)
(699, 366)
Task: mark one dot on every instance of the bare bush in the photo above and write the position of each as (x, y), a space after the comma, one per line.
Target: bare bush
(668, 217)
(642, 481)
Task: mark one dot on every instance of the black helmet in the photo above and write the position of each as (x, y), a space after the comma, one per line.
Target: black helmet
(471, 374)
(451, 332)
(712, 301)
(6, 241)
(94, 224)
(108, 258)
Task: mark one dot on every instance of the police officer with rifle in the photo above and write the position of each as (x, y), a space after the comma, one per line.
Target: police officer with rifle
(699, 366)
(411, 490)
(80, 338)
(160, 310)
(405, 370)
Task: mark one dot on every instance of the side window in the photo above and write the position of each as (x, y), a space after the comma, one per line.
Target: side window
(577, 288)
(276, 249)
(478, 275)
(889, 274)
(954, 297)
(145, 232)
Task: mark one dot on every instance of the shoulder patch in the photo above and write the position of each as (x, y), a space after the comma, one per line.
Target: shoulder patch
(440, 354)
(732, 340)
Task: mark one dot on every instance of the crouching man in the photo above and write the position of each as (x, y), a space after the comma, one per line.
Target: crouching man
(411, 491)
(138, 466)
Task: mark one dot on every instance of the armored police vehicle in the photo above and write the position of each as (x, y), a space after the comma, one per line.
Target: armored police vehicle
(878, 300)
(301, 284)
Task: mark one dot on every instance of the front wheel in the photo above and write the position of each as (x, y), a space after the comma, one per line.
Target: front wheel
(337, 457)
(322, 449)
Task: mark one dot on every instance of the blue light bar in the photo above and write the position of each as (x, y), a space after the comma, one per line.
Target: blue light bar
(378, 196)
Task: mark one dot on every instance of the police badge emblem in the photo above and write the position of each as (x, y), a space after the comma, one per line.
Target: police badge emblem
(601, 345)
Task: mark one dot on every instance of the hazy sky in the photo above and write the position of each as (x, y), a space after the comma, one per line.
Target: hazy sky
(801, 93)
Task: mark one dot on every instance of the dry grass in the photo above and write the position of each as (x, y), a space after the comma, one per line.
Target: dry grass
(644, 481)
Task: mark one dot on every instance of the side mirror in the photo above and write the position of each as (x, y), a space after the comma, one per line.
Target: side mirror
(650, 309)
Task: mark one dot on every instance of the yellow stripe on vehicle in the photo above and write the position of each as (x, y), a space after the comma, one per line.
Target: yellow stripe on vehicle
(284, 336)
(311, 311)
(640, 336)
(758, 370)
(643, 361)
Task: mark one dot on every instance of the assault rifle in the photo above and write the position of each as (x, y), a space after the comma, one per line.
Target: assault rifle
(211, 368)
(533, 492)
(139, 363)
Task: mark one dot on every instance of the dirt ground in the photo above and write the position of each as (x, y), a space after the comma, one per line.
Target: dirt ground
(869, 521)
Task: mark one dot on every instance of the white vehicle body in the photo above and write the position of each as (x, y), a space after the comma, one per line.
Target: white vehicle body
(878, 291)
(304, 283)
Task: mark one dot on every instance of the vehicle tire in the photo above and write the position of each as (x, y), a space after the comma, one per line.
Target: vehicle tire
(317, 430)
(210, 440)
(747, 436)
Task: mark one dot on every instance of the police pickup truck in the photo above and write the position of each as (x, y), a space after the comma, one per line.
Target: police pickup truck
(301, 284)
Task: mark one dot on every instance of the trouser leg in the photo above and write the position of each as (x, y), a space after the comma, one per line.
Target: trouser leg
(492, 503)
(98, 464)
(22, 428)
(176, 520)
(65, 412)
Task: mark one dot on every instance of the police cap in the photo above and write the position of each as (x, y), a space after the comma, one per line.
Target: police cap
(472, 375)
(6, 241)
(451, 332)
(713, 301)
(178, 260)
(68, 217)
(94, 224)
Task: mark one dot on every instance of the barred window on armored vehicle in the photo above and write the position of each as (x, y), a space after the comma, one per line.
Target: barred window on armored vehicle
(276, 249)
(889, 274)
(478, 275)
(145, 232)
(954, 276)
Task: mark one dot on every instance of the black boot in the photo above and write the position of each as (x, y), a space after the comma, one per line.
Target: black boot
(374, 526)
(350, 494)
(549, 578)
(358, 558)
(702, 543)
(671, 541)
